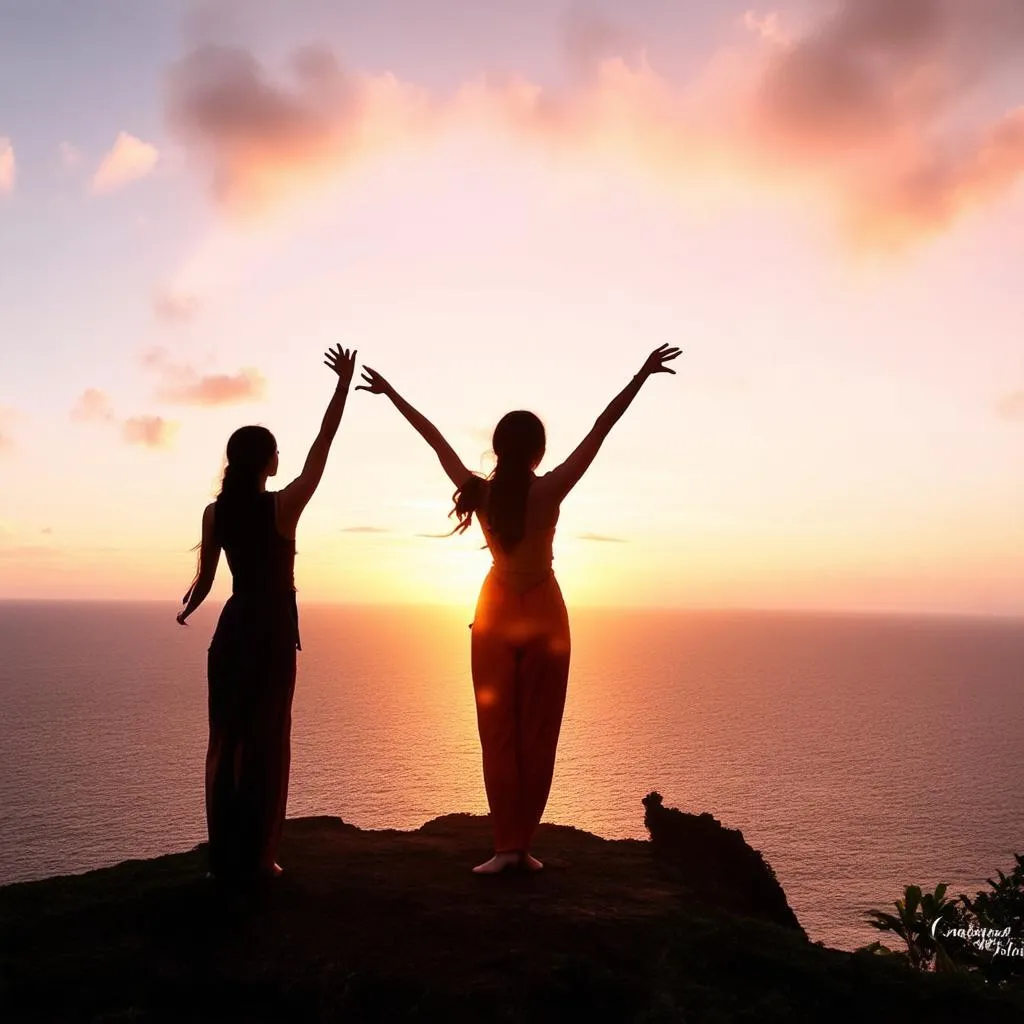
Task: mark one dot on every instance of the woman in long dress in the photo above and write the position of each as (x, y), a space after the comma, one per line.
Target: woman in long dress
(520, 643)
(251, 662)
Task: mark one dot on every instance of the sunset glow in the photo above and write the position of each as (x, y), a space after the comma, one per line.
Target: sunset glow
(509, 206)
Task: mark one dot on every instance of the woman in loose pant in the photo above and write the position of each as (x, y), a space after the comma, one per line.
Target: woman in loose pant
(520, 633)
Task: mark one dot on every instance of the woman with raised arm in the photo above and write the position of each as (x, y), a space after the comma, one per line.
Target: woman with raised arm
(520, 633)
(251, 661)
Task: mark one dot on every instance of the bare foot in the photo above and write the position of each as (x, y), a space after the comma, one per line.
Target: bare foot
(498, 863)
(530, 863)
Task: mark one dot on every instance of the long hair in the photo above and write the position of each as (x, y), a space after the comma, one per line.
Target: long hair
(518, 443)
(249, 450)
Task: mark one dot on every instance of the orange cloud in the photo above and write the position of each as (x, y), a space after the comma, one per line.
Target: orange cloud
(7, 167)
(866, 100)
(93, 406)
(260, 139)
(866, 107)
(151, 431)
(184, 385)
(128, 160)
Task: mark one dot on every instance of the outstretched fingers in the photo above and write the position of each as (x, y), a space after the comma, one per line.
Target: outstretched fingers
(374, 382)
(341, 360)
(665, 353)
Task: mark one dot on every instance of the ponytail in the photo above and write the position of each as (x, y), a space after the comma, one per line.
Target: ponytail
(518, 443)
(506, 511)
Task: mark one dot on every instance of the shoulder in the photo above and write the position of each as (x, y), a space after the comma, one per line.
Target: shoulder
(209, 518)
(546, 482)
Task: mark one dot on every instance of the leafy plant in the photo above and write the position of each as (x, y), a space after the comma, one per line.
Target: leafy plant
(914, 922)
(946, 935)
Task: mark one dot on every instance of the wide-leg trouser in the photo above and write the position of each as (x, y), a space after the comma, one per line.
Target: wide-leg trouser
(520, 663)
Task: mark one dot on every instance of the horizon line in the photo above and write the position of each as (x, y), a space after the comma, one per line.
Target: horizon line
(706, 609)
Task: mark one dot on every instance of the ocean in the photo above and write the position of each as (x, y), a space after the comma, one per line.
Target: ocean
(858, 753)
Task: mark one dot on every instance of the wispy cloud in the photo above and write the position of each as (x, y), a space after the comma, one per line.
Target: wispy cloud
(364, 529)
(768, 26)
(184, 385)
(93, 406)
(149, 431)
(175, 307)
(1011, 406)
(7, 166)
(864, 106)
(604, 538)
(128, 160)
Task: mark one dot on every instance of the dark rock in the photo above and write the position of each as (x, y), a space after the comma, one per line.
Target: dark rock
(392, 926)
(717, 863)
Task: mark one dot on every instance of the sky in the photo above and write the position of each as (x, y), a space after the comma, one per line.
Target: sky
(508, 206)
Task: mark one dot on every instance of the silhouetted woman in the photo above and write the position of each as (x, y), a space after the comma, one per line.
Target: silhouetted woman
(520, 634)
(251, 659)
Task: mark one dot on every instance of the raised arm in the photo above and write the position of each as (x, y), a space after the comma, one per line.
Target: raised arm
(209, 556)
(450, 462)
(564, 477)
(294, 498)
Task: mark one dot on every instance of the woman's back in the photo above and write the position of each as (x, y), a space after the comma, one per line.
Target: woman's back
(529, 560)
(262, 564)
(261, 560)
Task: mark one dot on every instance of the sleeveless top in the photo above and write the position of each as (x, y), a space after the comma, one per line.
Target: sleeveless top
(262, 563)
(531, 558)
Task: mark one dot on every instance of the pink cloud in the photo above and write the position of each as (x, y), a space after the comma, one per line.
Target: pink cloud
(184, 385)
(150, 431)
(93, 406)
(175, 307)
(865, 107)
(128, 160)
(259, 138)
(865, 101)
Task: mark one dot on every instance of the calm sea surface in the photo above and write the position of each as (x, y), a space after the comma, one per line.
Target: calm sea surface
(858, 753)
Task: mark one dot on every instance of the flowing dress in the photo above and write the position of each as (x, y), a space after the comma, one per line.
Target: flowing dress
(251, 666)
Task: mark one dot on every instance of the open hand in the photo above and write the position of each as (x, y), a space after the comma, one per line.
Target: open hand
(342, 362)
(655, 362)
(375, 383)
